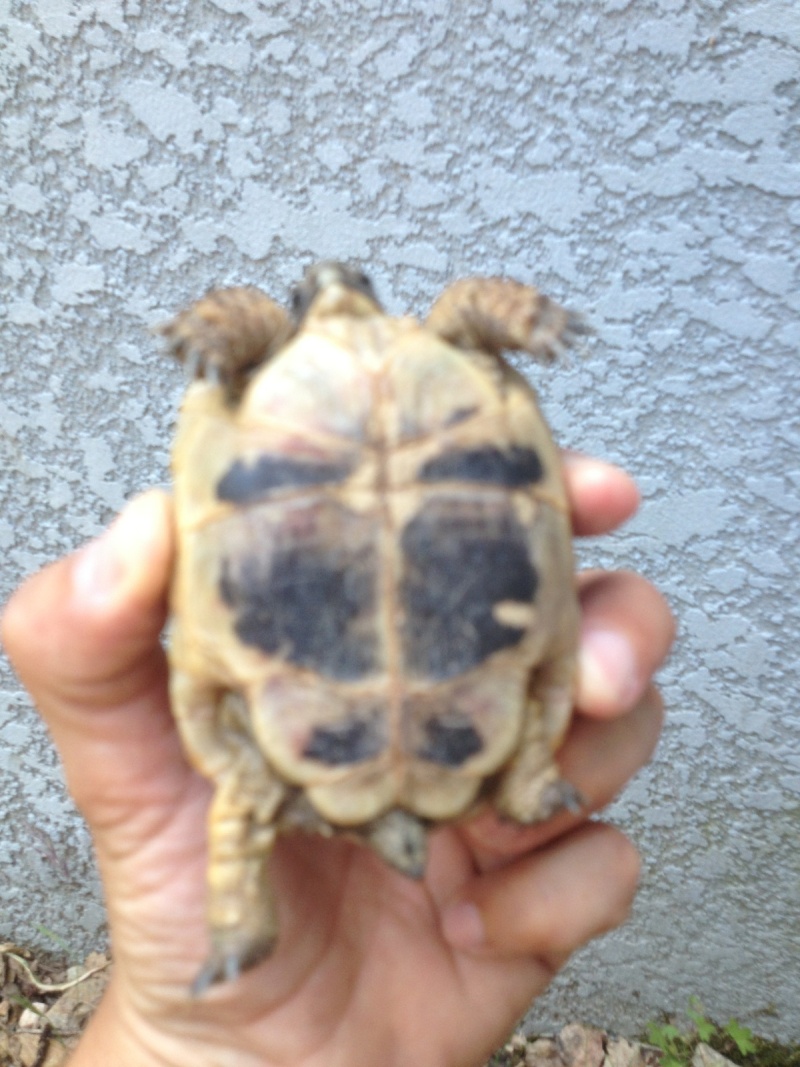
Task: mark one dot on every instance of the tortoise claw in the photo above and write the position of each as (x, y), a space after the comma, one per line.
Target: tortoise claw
(556, 796)
(577, 326)
(230, 957)
(561, 796)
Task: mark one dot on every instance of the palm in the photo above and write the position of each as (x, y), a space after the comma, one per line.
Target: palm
(360, 953)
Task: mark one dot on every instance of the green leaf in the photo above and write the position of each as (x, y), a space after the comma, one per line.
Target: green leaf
(664, 1035)
(24, 1002)
(669, 1040)
(57, 938)
(703, 1025)
(741, 1036)
(705, 1028)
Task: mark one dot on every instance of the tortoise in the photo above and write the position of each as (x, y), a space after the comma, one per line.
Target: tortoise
(374, 616)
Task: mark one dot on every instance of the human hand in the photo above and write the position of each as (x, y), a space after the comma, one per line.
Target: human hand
(371, 967)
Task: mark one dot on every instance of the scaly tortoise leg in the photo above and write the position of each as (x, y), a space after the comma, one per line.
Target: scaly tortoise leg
(531, 789)
(227, 334)
(241, 911)
(497, 314)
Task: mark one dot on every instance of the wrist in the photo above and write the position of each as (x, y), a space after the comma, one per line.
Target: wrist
(112, 1038)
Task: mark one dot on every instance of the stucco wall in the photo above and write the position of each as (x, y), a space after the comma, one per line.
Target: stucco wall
(637, 159)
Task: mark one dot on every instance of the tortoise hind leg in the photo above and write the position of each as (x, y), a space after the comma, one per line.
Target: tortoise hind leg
(242, 923)
(227, 334)
(531, 789)
(240, 911)
(496, 314)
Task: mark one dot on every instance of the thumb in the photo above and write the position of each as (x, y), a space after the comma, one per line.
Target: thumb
(83, 636)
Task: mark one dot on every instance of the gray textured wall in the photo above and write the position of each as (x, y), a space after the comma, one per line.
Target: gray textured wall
(638, 159)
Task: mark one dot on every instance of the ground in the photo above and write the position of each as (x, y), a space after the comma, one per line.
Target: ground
(45, 1004)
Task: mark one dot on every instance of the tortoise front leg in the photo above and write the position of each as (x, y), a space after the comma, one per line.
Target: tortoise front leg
(227, 334)
(241, 912)
(495, 314)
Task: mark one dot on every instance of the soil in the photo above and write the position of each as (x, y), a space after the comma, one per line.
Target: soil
(45, 1005)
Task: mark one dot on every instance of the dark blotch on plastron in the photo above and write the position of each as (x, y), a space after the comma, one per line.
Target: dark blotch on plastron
(353, 741)
(492, 466)
(308, 603)
(461, 560)
(450, 740)
(247, 484)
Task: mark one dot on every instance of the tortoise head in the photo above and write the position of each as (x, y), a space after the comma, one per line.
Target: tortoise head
(331, 288)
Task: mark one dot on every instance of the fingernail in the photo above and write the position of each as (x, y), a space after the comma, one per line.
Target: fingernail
(608, 673)
(587, 471)
(462, 925)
